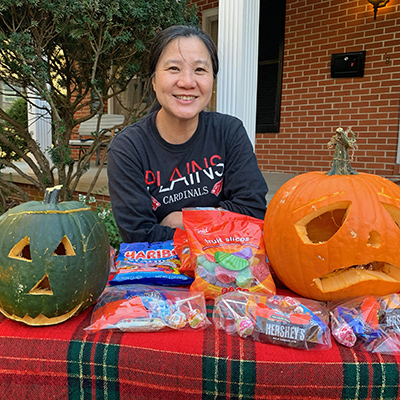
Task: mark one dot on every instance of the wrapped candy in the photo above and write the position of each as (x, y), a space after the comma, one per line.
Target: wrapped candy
(195, 316)
(344, 335)
(244, 326)
(177, 320)
(196, 319)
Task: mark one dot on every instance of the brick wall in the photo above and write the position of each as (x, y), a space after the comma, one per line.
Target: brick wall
(203, 5)
(314, 104)
(37, 195)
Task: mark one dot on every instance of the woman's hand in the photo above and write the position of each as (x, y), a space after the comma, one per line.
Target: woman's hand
(173, 220)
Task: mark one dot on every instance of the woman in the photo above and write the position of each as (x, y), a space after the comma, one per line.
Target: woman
(179, 155)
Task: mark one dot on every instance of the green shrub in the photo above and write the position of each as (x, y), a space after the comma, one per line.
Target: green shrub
(19, 113)
(104, 212)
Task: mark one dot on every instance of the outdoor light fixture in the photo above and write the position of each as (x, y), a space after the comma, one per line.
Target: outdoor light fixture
(378, 4)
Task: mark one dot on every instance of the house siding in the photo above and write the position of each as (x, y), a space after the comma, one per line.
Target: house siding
(314, 104)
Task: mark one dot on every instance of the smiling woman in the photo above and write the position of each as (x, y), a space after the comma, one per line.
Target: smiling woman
(183, 84)
(179, 155)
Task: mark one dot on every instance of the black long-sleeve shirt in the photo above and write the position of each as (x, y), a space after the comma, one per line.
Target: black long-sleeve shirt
(149, 178)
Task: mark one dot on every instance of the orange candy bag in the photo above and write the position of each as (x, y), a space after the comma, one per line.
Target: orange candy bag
(182, 250)
(227, 252)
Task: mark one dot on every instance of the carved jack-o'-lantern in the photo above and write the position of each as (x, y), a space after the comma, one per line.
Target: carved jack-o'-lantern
(54, 260)
(335, 235)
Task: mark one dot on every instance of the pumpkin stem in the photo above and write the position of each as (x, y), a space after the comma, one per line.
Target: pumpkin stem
(51, 195)
(342, 143)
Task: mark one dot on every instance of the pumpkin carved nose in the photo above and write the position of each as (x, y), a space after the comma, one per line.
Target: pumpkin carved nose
(374, 239)
(42, 287)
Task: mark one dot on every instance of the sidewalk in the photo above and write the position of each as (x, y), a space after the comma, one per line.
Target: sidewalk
(274, 179)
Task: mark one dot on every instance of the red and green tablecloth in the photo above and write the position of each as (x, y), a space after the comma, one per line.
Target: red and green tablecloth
(65, 362)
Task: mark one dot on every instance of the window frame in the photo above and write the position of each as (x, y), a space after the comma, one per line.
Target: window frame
(272, 127)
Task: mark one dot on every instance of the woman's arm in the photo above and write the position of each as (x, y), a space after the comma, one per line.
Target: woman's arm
(131, 203)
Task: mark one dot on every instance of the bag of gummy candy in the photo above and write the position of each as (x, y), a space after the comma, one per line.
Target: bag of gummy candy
(227, 251)
(149, 263)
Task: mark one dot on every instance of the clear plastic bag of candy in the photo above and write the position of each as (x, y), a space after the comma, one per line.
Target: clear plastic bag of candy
(372, 322)
(146, 308)
(113, 268)
(227, 252)
(274, 319)
(149, 264)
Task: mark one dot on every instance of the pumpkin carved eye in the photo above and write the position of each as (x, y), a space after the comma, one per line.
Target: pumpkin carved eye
(393, 211)
(22, 250)
(321, 224)
(64, 248)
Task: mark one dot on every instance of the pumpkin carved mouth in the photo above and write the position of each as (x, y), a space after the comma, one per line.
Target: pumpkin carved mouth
(343, 278)
(41, 319)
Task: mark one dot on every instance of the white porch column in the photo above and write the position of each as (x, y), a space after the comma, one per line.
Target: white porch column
(238, 54)
(39, 121)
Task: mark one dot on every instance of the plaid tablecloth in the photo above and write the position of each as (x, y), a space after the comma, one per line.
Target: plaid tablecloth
(65, 362)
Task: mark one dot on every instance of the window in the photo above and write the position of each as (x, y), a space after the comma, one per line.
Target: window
(270, 65)
(7, 95)
(270, 61)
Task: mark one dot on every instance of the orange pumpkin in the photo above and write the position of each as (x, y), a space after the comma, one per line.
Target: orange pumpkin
(335, 235)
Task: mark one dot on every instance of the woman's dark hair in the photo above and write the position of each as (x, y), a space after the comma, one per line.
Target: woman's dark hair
(164, 37)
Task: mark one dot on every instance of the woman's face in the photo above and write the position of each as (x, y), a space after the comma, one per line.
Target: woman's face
(183, 80)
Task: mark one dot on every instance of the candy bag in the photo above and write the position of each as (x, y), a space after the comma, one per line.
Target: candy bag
(372, 322)
(355, 319)
(149, 263)
(389, 322)
(146, 308)
(280, 320)
(146, 253)
(227, 251)
(182, 250)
